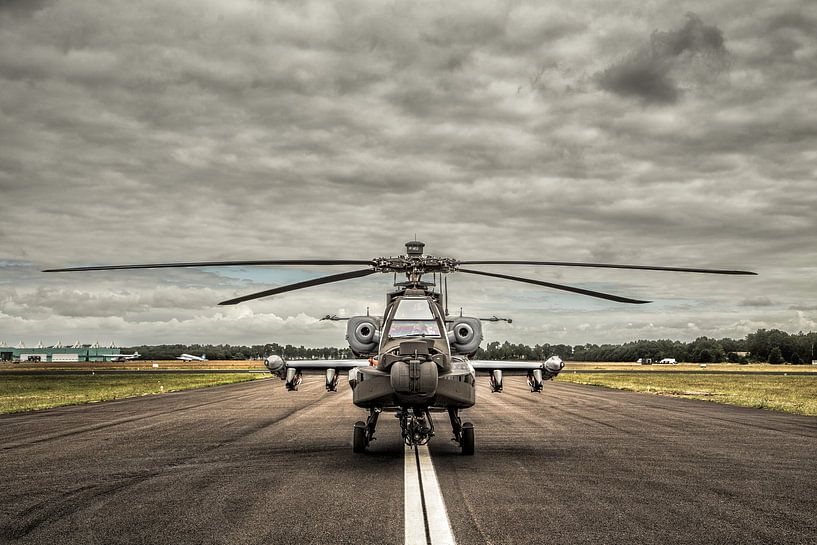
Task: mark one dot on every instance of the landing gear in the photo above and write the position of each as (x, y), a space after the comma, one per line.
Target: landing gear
(463, 433)
(364, 431)
(416, 426)
(467, 442)
(359, 443)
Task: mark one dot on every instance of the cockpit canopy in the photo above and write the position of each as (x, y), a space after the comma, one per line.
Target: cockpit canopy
(414, 317)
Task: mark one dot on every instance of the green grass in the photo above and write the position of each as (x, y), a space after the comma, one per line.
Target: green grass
(25, 393)
(791, 394)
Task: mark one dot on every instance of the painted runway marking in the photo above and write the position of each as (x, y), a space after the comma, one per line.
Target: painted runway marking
(426, 520)
(414, 517)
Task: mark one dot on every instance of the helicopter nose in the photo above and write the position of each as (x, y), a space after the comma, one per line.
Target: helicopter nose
(415, 375)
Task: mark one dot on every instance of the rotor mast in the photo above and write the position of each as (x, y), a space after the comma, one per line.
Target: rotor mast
(414, 275)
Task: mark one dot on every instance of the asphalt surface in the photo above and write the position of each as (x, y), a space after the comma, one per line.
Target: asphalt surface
(252, 463)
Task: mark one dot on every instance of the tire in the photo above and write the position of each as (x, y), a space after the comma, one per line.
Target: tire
(467, 439)
(359, 441)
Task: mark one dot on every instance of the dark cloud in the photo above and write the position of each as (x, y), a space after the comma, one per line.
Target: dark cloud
(656, 71)
(760, 301)
(16, 8)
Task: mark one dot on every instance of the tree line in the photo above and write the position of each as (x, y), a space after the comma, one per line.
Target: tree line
(772, 346)
(238, 352)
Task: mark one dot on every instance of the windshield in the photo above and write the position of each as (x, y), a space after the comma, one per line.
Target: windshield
(413, 309)
(414, 328)
(414, 318)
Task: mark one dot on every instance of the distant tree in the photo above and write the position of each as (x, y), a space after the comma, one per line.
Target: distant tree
(761, 343)
(775, 355)
(706, 350)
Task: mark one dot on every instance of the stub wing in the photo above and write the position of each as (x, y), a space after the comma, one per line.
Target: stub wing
(291, 371)
(550, 367)
(537, 371)
(323, 365)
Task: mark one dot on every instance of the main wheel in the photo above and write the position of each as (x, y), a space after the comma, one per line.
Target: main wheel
(467, 442)
(359, 442)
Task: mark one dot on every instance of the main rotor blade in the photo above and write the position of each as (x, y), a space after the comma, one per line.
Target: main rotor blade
(218, 264)
(306, 284)
(562, 287)
(605, 266)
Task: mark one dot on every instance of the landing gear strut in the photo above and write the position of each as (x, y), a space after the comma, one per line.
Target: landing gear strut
(463, 433)
(364, 431)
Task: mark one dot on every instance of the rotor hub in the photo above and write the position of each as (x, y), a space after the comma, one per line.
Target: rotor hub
(415, 263)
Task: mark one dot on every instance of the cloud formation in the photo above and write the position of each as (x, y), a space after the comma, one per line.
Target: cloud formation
(186, 131)
(655, 72)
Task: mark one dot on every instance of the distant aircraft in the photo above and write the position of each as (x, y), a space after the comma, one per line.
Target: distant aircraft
(189, 357)
(122, 357)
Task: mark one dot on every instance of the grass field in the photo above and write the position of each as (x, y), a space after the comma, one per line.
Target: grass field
(791, 394)
(135, 365)
(663, 368)
(25, 393)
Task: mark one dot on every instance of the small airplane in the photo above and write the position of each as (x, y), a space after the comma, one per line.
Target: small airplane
(122, 357)
(417, 358)
(190, 357)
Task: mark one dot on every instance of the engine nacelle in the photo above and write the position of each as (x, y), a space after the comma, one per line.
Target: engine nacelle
(465, 335)
(363, 335)
(276, 365)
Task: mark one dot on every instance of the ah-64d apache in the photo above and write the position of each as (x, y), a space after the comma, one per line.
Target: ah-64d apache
(416, 358)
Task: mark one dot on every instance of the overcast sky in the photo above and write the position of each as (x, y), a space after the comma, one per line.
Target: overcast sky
(664, 133)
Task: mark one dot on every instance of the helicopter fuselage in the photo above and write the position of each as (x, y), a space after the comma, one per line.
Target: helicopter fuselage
(414, 367)
(415, 371)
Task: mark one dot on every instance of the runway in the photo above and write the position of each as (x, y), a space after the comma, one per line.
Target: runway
(252, 463)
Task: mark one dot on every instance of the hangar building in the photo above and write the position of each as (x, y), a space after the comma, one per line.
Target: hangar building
(59, 353)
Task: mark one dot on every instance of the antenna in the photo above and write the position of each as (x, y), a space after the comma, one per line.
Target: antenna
(445, 296)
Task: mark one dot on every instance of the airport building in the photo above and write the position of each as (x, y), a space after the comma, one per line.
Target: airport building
(58, 353)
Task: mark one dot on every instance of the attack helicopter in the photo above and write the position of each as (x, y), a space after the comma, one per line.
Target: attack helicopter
(416, 359)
